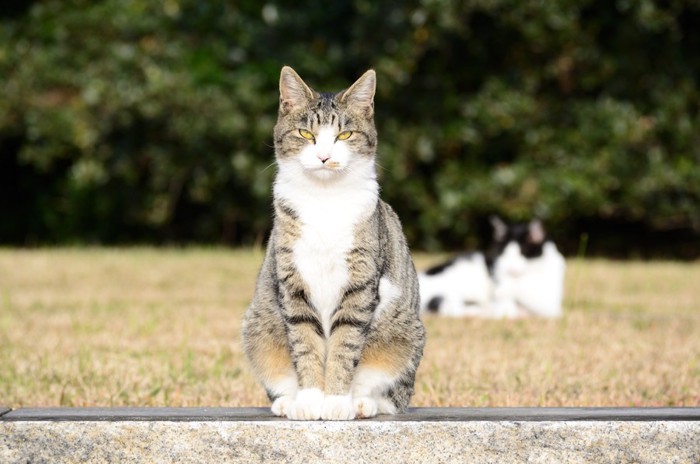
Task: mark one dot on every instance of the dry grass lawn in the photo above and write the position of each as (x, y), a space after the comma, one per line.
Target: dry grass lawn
(154, 327)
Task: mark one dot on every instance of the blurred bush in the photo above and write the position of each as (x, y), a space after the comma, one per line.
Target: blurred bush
(127, 121)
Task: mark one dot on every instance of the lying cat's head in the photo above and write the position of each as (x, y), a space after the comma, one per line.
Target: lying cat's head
(514, 244)
(324, 135)
(529, 236)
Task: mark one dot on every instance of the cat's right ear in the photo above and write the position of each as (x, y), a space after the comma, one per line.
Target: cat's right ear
(536, 231)
(293, 91)
(500, 229)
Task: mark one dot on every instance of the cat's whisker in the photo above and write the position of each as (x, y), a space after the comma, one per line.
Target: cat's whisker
(381, 167)
(267, 167)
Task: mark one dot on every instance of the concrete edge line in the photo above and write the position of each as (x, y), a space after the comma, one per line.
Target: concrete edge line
(259, 414)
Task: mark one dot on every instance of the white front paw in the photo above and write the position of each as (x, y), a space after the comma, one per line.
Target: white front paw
(307, 405)
(338, 407)
(365, 407)
(280, 407)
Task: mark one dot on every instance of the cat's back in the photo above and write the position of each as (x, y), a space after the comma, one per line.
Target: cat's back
(398, 263)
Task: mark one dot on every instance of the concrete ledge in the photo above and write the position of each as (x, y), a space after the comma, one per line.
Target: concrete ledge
(422, 435)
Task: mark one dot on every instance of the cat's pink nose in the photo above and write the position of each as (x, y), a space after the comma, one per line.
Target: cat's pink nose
(324, 158)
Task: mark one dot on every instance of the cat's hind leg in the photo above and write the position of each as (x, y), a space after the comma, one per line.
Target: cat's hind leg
(282, 393)
(383, 381)
(277, 375)
(368, 390)
(266, 348)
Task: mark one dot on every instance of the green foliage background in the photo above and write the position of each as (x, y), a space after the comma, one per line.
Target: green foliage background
(129, 121)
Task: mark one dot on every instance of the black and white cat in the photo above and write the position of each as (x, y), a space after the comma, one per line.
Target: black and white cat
(522, 276)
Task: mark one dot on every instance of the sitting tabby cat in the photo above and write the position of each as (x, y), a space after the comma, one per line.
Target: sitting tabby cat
(522, 276)
(333, 331)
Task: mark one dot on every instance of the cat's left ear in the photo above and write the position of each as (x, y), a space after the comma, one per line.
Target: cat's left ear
(361, 93)
(536, 231)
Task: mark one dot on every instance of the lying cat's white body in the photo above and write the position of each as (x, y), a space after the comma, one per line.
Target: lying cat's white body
(460, 288)
(526, 278)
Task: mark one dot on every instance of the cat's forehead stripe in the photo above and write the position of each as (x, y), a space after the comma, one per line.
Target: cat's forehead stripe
(319, 118)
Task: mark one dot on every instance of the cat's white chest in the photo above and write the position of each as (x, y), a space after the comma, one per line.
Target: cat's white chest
(320, 255)
(328, 222)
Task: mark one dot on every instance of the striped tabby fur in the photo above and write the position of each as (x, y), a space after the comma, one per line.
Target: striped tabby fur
(333, 331)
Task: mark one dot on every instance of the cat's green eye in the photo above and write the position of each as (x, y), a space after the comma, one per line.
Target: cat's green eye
(344, 135)
(306, 134)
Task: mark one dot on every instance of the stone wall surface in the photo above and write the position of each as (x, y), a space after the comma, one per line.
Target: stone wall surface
(424, 435)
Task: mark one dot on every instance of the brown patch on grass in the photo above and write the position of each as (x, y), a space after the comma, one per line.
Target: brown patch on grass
(151, 327)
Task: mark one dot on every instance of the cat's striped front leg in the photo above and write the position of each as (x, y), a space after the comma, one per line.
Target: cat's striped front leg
(348, 333)
(307, 349)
